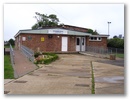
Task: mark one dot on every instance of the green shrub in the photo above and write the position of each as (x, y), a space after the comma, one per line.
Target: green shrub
(48, 58)
(37, 54)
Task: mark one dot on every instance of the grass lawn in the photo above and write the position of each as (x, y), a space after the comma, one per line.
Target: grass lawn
(120, 55)
(8, 46)
(8, 69)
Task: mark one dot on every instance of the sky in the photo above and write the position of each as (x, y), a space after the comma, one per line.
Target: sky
(93, 16)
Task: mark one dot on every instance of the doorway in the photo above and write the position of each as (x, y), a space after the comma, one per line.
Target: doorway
(80, 44)
(64, 44)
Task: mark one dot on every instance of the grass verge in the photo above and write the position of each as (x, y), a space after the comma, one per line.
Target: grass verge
(8, 46)
(93, 82)
(8, 69)
(120, 55)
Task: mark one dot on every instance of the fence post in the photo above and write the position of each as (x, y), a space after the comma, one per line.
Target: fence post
(116, 51)
(111, 51)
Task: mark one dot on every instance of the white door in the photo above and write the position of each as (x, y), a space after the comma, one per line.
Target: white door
(82, 43)
(64, 46)
(78, 44)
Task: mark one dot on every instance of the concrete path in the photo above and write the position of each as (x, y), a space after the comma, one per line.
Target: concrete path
(22, 64)
(71, 74)
(109, 79)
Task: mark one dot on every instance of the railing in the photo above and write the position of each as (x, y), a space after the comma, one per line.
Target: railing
(12, 55)
(116, 50)
(28, 52)
(99, 50)
(104, 52)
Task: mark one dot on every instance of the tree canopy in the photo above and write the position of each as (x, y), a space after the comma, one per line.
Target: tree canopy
(116, 43)
(45, 20)
(92, 32)
(12, 42)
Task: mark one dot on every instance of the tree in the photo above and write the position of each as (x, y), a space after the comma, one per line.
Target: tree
(92, 32)
(116, 43)
(115, 36)
(95, 33)
(11, 41)
(45, 20)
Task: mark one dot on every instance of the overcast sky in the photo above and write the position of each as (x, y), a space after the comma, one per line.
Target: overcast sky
(94, 16)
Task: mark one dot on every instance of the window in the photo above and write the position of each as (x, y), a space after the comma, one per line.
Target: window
(77, 41)
(91, 38)
(99, 38)
(82, 41)
(95, 39)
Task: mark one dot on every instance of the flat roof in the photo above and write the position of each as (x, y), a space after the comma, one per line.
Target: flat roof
(57, 31)
(53, 31)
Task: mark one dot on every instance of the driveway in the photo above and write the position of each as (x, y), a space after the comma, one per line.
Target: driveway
(71, 74)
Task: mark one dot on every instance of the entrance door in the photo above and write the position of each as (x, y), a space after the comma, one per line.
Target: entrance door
(64, 44)
(80, 44)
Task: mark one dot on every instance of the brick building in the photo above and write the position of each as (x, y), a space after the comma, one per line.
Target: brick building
(59, 39)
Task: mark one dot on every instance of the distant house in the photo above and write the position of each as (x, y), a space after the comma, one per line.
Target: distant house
(59, 39)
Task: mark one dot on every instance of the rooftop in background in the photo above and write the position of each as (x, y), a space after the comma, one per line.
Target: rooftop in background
(70, 30)
(68, 27)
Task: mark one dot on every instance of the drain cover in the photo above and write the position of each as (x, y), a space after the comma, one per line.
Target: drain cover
(83, 85)
(6, 92)
(20, 81)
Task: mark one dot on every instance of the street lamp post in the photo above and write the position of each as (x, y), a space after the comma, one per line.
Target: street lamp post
(108, 26)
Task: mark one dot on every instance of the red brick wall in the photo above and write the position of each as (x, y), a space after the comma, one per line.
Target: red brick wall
(71, 43)
(54, 44)
(49, 44)
(102, 43)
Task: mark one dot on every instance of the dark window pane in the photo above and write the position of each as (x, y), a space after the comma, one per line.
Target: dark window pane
(82, 41)
(95, 38)
(77, 41)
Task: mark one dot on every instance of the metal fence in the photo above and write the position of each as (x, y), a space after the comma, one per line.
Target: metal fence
(28, 52)
(99, 50)
(12, 55)
(103, 52)
(116, 50)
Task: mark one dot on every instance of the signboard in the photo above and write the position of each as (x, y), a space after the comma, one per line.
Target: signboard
(42, 39)
(57, 31)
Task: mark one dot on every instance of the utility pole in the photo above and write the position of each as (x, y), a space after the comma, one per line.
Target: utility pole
(108, 26)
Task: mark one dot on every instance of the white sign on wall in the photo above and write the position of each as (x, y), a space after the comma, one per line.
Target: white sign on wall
(57, 31)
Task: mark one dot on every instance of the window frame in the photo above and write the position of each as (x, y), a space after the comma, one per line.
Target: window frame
(94, 38)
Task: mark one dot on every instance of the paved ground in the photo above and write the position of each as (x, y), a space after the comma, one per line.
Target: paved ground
(71, 74)
(22, 64)
(109, 79)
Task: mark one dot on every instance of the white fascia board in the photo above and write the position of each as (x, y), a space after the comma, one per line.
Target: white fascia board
(53, 31)
(99, 35)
